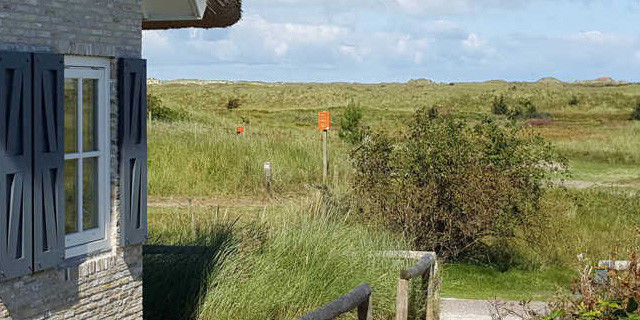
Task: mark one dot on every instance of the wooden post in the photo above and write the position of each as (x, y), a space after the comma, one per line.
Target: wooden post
(433, 297)
(365, 310)
(325, 157)
(267, 173)
(426, 292)
(402, 300)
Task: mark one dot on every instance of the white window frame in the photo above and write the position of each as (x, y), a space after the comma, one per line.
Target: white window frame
(94, 240)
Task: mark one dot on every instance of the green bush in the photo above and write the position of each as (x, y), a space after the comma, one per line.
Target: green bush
(158, 111)
(636, 113)
(499, 106)
(574, 101)
(450, 184)
(350, 129)
(233, 103)
(526, 110)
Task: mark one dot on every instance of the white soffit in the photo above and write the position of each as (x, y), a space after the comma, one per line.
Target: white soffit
(168, 10)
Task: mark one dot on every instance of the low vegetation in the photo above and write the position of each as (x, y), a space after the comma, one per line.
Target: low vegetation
(602, 293)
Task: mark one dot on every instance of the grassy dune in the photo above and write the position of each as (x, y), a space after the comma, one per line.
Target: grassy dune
(199, 156)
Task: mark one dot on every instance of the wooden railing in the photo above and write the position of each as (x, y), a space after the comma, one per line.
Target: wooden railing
(359, 298)
(426, 268)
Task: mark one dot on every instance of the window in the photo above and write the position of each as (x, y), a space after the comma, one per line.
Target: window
(86, 147)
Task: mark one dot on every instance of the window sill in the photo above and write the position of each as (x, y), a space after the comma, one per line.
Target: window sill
(87, 249)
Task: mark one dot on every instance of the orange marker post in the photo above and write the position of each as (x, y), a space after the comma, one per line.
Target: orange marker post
(324, 124)
(324, 121)
(239, 130)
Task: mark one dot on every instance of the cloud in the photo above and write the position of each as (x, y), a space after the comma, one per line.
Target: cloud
(455, 6)
(154, 41)
(600, 38)
(473, 42)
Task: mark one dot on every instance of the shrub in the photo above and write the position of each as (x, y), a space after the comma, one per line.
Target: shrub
(499, 106)
(613, 297)
(636, 113)
(450, 184)
(350, 129)
(526, 110)
(158, 111)
(233, 103)
(574, 101)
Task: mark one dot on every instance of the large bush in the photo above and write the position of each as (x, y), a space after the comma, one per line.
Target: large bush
(449, 184)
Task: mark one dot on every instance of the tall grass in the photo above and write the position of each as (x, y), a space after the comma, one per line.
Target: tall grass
(173, 284)
(308, 259)
(195, 159)
(615, 144)
(595, 224)
(276, 264)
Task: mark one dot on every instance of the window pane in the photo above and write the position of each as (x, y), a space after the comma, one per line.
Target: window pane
(90, 114)
(70, 115)
(71, 195)
(89, 194)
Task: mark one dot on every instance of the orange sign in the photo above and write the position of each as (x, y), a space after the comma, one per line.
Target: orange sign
(324, 121)
(239, 130)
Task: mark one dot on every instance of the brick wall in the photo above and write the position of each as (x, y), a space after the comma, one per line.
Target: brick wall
(108, 284)
(108, 28)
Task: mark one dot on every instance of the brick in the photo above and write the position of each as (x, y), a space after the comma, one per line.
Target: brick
(48, 296)
(98, 28)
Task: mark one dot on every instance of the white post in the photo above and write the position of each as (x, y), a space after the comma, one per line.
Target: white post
(267, 173)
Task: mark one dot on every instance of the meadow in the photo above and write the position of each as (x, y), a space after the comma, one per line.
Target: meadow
(282, 254)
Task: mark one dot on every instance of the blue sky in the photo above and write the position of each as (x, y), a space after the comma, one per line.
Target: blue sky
(399, 40)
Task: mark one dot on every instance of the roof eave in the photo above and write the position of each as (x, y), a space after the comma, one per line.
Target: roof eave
(219, 14)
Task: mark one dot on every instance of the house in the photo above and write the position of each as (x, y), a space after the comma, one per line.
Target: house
(73, 152)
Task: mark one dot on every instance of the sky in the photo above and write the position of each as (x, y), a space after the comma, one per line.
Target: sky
(398, 40)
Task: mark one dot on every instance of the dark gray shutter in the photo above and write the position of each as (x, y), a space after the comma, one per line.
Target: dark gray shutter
(132, 137)
(48, 152)
(16, 247)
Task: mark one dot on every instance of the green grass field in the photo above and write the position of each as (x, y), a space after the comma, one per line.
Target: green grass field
(198, 159)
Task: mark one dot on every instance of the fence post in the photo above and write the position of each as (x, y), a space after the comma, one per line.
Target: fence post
(364, 310)
(402, 300)
(433, 309)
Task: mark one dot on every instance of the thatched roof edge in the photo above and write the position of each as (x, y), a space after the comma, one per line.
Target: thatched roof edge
(219, 14)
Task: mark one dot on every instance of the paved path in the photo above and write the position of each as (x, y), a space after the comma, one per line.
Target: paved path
(458, 309)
